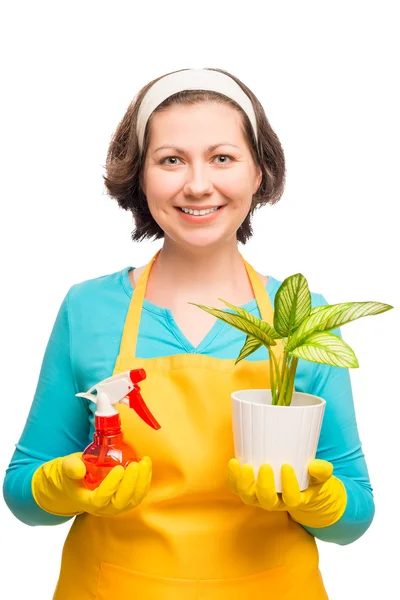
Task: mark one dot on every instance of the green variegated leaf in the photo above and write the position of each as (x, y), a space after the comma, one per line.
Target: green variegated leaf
(318, 308)
(292, 304)
(263, 325)
(325, 318)
(240, 323)
(327, 349)
(251, 345)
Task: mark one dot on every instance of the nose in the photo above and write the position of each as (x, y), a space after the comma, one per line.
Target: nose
(198, 183)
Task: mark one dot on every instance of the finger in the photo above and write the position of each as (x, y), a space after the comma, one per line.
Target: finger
(246, 486)
(320, 470)
(147, 460)
(266, 489)
(233, 475)
(123, 496)
(102, 495)
(291, 494)
(73, 466)
(143, 481)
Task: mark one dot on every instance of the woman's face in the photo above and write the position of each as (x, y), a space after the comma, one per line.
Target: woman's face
(198, 159)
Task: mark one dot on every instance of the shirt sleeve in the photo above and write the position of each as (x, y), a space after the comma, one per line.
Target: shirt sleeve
(57, 425)
(340, 444)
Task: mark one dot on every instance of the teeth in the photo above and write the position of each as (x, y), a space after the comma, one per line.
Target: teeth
(206, 211)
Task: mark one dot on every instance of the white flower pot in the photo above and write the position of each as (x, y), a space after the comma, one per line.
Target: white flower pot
(277, 435)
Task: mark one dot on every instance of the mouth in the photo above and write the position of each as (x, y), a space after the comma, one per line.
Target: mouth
(199, 212)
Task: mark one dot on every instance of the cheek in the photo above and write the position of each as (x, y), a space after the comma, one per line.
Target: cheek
(162, 186)
(235, 184)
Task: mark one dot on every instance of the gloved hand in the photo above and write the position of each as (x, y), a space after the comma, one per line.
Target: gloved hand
(320, 505)
(57, 487)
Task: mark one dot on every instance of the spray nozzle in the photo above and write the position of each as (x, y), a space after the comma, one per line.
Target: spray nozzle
(121, 388)
(137, 375)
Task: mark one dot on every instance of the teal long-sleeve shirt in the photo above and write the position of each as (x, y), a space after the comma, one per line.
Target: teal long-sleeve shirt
(82, 350)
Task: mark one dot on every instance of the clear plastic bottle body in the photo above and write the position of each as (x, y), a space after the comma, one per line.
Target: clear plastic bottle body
(107, 450)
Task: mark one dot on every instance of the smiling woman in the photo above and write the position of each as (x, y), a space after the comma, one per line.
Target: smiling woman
(198, 179)
(192, 159)
(178, 130)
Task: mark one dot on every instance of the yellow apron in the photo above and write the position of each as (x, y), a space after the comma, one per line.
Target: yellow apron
(191, 538)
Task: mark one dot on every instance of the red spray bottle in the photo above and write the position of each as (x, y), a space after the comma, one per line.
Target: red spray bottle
(108, 448)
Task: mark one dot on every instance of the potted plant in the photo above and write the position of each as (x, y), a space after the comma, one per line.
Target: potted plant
(281, 425)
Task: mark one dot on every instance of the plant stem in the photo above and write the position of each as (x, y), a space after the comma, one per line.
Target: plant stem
(278, 379)
(272, 377)
(286, 368)
(284, 365)
(290, 383)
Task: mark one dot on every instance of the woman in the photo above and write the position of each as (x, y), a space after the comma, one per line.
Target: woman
(192, 159)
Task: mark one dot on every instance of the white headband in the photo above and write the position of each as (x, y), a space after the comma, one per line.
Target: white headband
(191, 79)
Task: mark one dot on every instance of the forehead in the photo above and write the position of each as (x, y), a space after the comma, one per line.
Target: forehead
(182, 123)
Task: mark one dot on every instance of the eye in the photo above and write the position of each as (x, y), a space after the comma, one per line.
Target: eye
(174, 158)
(226, 158)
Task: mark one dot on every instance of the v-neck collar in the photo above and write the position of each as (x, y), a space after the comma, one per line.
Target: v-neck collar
(166, 313)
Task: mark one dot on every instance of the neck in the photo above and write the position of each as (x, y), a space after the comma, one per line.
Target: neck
(200, 267)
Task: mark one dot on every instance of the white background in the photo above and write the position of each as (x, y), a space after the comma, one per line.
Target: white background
(327, 75)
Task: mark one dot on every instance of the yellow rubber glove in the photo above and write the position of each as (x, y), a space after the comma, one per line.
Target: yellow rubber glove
(320, 505)
(57, 487)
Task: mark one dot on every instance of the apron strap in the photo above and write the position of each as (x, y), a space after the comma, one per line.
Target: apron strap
(260, 294)
(132, 322)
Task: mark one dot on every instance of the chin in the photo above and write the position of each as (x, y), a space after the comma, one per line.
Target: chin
(204, 239)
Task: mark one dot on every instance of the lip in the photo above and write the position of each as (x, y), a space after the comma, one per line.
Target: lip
(200, 219)
(201, 207)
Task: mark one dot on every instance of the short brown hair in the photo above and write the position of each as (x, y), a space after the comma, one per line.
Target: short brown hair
(125, 161)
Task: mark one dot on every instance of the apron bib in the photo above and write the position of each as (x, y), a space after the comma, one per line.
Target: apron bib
(190, 539)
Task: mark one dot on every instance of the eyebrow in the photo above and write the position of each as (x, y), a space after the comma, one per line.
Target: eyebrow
(183, 151)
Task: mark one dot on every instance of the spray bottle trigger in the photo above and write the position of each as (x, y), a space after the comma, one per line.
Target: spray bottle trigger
(137, 403)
